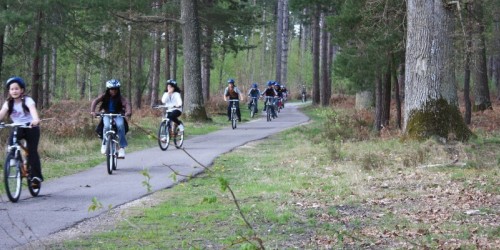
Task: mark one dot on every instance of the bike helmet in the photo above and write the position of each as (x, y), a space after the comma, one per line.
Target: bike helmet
(277, 84)
(230, 81)
(270, 83)
(254, 85)
(112, 84)
(171, 81)
(14, 79)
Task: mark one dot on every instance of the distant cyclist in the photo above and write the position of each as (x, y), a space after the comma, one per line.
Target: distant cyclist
(254, 94)
(233, 93)
(113, 102)
(279, 91)
(270, 93)
(172, 99)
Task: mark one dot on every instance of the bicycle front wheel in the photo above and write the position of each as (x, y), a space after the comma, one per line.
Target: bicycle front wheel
(110, 154)
(178, 138)
(233, 120)
(12, 177)
(268, 113)
(163, 136)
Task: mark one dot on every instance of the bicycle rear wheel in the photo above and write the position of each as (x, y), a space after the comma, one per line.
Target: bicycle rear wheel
(33, 191)
(268, 113)
(178, 138)
(12, 177)
(163, 136)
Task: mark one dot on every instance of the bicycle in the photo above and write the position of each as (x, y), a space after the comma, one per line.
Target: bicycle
(112, 140)
(279, 104)
(269, 103)
(234, 116)
(17, 166)
(167, 130)
(253, 107)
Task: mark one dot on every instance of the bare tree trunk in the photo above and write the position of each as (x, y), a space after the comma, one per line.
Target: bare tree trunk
(279, 37)
(386, 95)
(129, 65)
(284, 42)
(206, 62)
(431, 101)
(36, 58)
(140, 80)
(155, 81)
(53, 74)
(325, 101)
(193, 96)
(378, 104)
(468, 105)
(45, 80)
(496, 48)
(397, 82)
(175, 41)
(481, 89)
(315, 50)
(167, 51)
(331, 58)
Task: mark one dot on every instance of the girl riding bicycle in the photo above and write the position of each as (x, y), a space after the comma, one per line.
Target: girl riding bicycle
(113, 102)
(172, 98)
(22, 110)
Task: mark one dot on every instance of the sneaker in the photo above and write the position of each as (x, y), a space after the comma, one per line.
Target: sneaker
(103, 149)
(163, 139)
(121, 153)
(35, 182)
(181, 127)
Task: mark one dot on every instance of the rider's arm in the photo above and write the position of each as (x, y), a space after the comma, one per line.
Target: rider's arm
(34, 113)
(126, 105)
(225, 94)
(4, 110)
(177, 99)
(95, 102)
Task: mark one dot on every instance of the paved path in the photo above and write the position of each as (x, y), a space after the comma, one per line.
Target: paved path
(64, 202)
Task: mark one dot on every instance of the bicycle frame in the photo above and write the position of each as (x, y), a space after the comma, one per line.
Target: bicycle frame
(170, 130)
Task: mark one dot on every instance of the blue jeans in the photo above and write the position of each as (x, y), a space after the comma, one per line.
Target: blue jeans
(120, 125)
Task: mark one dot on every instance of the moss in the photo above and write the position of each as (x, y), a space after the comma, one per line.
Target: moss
(437, 118)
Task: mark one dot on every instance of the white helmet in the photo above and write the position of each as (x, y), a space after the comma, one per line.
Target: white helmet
(112, 84)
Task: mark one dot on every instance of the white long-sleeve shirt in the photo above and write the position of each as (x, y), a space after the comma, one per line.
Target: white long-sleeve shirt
(171, 100)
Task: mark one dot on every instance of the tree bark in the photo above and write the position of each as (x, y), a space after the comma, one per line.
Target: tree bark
(284, 44)
(53, 73)
(480, 74)
(194, 108)
(378, 104)
(496, 48)
(325, 100)
(279, 38)
(140, 80)
(206, 61)
(431, 101)
(36, 57)
(155, 80)
(315, 52)
(45, 80)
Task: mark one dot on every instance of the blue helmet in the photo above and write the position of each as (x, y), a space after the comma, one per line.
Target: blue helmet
(277, 84)
(171, 81)
(14, 79)
(230, 81)
(254, 85)
(112, 84)
(270, 83)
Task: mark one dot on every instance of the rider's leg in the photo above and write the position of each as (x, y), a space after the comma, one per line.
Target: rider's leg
(238, 113)
(32, 137)
(120, 125)
(229, 111)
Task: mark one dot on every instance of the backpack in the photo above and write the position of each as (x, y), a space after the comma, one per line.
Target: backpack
(100, 127)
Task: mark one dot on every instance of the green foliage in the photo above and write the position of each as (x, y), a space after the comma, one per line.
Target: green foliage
(146, 183)
(96, 205)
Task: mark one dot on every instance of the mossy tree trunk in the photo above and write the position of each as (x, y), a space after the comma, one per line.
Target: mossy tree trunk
(431, 103)
(194, 107)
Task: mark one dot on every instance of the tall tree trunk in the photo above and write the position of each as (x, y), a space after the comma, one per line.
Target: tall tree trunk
(167, 51)
(53, 73)
(386, 95)
(325, 101)
(206, 61)
(481, 90)
(496, 48)
(284, 43)
(45, 80)
(431, 101)
(129, 65)
(140, 80)
(378, 104)
(315, 56)
(193, 95)
(36, 57)
(331, 58)
(397, 83)
(155, 80)
(174, 51)
(279, 37)
(468, 105)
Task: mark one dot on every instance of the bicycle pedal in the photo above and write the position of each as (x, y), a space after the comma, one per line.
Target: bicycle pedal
(118, 157)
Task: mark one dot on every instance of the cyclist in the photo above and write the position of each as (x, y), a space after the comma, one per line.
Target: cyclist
(285, 94)
(270, 92)
(233, 93)
(254, 92)
(279, 91)
(303, 92)
(113, 102)
(172, 99)
(22, 110)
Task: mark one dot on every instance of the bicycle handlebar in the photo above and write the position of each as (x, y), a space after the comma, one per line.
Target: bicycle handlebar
(13, 125)
(107, 114)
